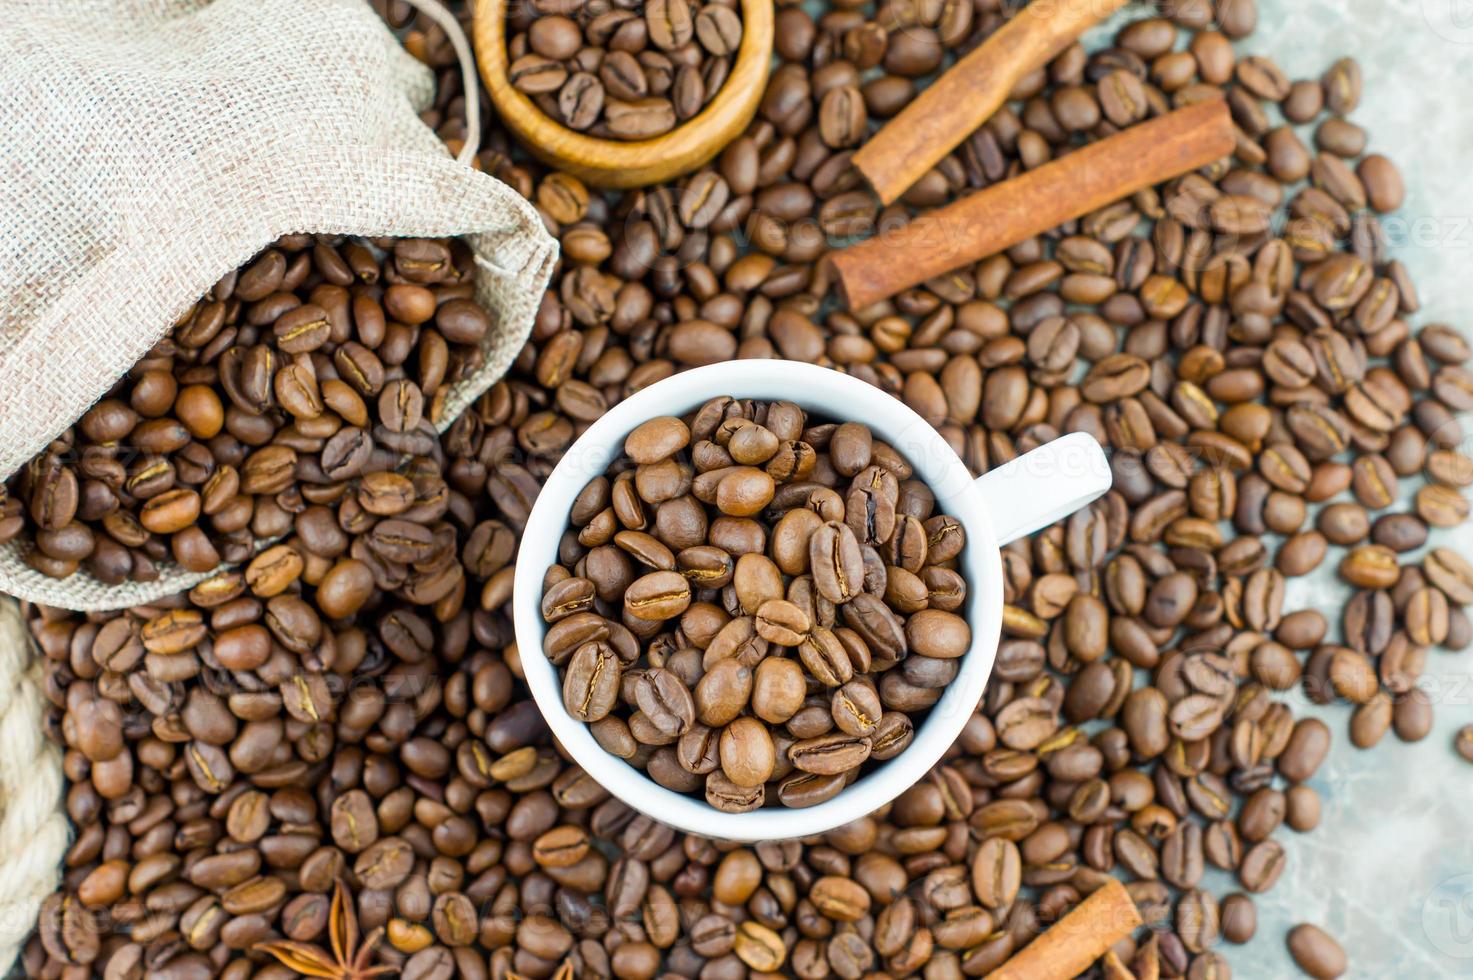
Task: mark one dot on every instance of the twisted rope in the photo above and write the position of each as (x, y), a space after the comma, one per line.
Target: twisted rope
(34, 832)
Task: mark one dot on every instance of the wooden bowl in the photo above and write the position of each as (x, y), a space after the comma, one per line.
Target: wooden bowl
(621, 163)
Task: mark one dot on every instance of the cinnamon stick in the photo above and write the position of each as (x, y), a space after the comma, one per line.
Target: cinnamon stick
(1004, 214)
(1078, 939)
(971, 90)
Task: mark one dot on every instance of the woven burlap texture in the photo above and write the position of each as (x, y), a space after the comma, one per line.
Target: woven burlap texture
(151, 146)
(33, 827)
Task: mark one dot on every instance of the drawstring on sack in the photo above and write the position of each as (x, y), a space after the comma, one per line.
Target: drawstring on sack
(445, 20)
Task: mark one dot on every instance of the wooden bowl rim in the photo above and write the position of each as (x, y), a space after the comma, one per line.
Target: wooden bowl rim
(524, 117)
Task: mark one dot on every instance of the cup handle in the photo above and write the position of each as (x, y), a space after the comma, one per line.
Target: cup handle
(1045, 485)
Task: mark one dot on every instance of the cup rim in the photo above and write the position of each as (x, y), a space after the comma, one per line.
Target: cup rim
(933, 461)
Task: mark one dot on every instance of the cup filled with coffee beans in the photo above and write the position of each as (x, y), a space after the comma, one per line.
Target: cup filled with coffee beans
(760, 601)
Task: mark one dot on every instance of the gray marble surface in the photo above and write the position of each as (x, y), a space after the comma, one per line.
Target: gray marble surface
(1390, 869)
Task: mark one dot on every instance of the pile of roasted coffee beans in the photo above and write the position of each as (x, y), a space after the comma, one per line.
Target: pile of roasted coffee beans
(755, 604)
(622, 71)
(1240, 339)
(299, 382)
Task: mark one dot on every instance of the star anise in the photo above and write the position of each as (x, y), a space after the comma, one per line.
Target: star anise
(348, 960)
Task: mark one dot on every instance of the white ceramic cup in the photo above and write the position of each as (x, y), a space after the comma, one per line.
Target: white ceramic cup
(1014, 500)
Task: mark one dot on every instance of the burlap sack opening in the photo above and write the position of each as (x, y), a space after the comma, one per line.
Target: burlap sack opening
(151, 146)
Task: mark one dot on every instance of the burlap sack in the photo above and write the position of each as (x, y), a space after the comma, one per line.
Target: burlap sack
(147, 147)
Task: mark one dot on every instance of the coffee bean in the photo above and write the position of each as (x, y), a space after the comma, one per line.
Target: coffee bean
(1261, 867)
(836, 562)
(724, 691)
(829, 755)
(657, 439)
(591, 684)
(535, 74)
(657, 596)
(996, 872)
(1316, 952)
(664, 701)
(746, 752)
(759, 947)
(1411, 716)
(1463, 742)
(937, 633)
(1441, 506)
(782, 623)
(1026, 723)
(841, 117)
